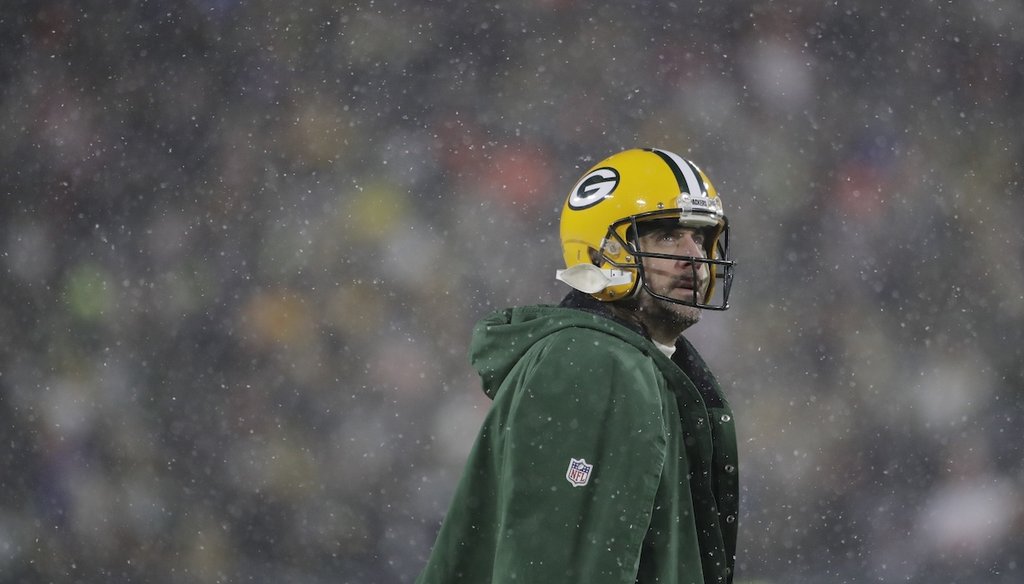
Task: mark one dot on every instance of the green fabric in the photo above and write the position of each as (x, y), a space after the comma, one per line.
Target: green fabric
(659, 505)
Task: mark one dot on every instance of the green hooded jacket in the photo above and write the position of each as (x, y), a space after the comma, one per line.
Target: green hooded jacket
(600, 461)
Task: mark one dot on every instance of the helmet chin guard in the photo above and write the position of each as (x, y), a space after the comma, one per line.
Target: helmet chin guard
(592, 279)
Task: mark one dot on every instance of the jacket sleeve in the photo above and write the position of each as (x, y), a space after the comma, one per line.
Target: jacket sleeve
(584, 396)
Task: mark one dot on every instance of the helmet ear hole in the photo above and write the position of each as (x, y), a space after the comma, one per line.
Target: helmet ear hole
(595, 257)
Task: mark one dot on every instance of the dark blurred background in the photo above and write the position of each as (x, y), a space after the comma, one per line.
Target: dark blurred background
(243, 244)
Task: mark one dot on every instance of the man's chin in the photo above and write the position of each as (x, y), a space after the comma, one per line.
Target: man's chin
(686, 316)
(680, 314)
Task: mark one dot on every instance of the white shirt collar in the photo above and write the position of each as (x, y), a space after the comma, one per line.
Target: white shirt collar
(669, 350)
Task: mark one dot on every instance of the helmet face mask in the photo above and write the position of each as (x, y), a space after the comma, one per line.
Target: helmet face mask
(618, 200)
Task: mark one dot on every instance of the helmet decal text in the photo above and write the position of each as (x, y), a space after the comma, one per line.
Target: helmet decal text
(594, 188)
(688, 203)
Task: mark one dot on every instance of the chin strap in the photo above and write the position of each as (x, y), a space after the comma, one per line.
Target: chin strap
(591, 279)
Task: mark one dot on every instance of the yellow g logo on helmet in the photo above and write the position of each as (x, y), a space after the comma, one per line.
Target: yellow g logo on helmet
(593, 188)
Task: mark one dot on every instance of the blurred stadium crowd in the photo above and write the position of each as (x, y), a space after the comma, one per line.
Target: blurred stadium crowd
(243, 245)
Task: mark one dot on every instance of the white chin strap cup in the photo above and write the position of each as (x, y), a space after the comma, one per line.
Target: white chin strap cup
(591, 279)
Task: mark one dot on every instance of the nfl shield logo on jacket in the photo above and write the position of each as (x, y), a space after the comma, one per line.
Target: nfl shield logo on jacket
(578, 473)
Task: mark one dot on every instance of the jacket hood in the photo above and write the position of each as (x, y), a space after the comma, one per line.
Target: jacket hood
(501, 339)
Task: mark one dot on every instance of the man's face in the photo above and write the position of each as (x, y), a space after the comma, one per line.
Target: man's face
(674, 278)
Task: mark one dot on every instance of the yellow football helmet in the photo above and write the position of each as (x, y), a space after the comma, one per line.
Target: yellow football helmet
(600, 219)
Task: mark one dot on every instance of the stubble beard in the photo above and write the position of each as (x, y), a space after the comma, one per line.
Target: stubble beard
(665, 315)
(664, 320)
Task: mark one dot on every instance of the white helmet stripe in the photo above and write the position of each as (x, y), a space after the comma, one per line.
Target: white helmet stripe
(694, 186)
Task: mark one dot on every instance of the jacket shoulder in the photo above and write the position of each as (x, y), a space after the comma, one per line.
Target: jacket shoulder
(594, 362)
(579, 346)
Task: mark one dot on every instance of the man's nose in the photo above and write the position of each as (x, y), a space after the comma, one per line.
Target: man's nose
(689, 246)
